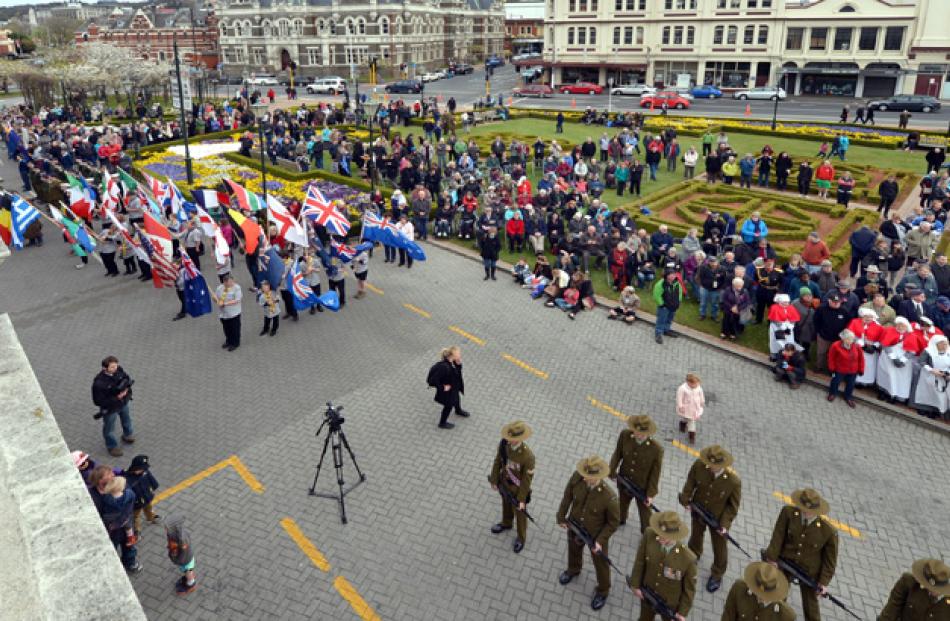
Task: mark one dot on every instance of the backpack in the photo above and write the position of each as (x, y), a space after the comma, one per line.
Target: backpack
(178, 542)
(433, 378)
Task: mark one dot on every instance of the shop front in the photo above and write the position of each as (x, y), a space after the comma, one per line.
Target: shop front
(834, 79)
(674, 74)
(728, 74)
(880, 79)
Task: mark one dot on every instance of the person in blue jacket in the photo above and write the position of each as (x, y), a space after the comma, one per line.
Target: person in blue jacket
(754, 229)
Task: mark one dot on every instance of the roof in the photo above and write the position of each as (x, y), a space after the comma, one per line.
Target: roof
(524, 10)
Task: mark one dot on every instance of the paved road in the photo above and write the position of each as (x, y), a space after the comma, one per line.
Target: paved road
(418, 545)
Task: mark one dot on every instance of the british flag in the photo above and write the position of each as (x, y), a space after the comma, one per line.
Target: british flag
(303, 294)
(322, 212)
(343, 251)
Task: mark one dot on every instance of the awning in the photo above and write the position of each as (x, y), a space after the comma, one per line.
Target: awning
(621, 66)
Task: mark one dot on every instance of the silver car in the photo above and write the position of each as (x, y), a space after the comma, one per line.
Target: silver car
(636, 90)
(762, 92)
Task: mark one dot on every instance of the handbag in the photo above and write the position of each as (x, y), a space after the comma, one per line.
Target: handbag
(745, 315)
(551, 290)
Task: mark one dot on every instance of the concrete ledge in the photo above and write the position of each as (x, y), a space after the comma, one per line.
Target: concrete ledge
(57, 559)
(866, 397)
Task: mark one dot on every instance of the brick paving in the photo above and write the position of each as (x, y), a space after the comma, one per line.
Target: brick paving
(417, 545)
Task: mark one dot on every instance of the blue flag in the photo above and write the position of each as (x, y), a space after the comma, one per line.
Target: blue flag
(271, 267)
(197, 296)
(22, 216)
(303, 294)
(330, 300)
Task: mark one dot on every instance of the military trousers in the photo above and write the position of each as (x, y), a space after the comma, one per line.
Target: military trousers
(642, 509)
(646, 612)
(575, 561)
(509, 515)
(719, 546)
(811, 610)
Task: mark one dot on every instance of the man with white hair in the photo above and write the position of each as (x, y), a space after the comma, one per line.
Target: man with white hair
(921, 243)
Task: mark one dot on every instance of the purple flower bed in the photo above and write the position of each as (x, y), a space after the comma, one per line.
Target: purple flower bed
(274, 186)
(216, 141)
(857, 129)
(176, 172)
(247, 174)
(333, 191)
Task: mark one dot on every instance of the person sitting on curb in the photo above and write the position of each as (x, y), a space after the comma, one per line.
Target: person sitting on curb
(629, 303)
(790, 366)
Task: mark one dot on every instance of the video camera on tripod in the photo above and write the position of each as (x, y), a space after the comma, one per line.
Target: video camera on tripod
(332, 416)
(336, 442)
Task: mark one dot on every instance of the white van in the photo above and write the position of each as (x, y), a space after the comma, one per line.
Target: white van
(263, 80)
(329, 86)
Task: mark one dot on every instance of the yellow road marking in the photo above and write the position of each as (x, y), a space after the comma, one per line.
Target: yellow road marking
(359, 605)
(854, 532)
(374, 289)
(524, 365)
(417, 310)
(305, 545)
(606, 408)
(470, 337)
(685, 449)
(233, 461)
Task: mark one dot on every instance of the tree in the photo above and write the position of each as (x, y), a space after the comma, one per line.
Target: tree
(58, 31)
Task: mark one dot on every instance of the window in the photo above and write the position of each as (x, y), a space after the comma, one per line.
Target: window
(582, 36)
(639, 35)
(690, 35)
(748, 35)
(313, 56)
(628, 35)
(794, 38)
(570, 36)
(731, 35)
(819, 39)
(572, 6)
(679, 5)
(718, 34)
(361, 26)
(867, 40)
(666, 35)
(257, 56)
(384, 25)
(582, 5)
(592, 37)
(843, 39)
(846, 9)
(593, 5)
(283, 28)
(766, 4)
(730, 4)
(752, 4)
(678, 35)
(894, 38)
(616, 35)
(763, 35)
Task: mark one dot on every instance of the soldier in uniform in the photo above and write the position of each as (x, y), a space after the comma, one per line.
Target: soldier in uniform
(665, 565)
(639, 460)
(592, 504)
(759, 596)
(804, 538)
(717, 488)
(921, 595)
(514, 469)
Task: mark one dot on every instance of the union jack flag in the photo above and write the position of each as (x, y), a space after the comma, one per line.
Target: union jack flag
(320, 211)
(303, 294)
(188, 267)
(163, 272)
(343, 251)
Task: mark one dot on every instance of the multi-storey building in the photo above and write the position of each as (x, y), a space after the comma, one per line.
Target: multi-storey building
(524, 27)
(853, 48)
(332, 36)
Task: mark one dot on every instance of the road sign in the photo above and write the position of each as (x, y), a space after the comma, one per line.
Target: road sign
(186, 91)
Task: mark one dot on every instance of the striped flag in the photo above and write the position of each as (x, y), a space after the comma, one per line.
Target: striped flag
(22, 215)
(131, 185)
(129, 238)
(248, 201)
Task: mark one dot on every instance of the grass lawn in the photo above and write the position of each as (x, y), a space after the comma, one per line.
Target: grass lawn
(575, 133)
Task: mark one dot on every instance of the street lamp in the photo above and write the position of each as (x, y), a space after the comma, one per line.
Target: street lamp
(189, 173)
(778, 85)
(259, 110)
(610, 95)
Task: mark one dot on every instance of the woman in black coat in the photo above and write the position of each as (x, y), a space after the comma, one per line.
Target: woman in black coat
(446, 378)
(490, 246)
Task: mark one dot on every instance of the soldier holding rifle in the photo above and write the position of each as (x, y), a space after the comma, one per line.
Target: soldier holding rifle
(512, 472)
(589, 510)
(924, 593)
(664, 572)
(714, 488)
(759, 596)
(638, 460)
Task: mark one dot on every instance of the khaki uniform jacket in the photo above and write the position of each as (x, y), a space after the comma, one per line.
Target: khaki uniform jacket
(719, 495)
(814, 548)
(910, 602)
(641, 463)
(595, 508)
(742, 605)
(672, 575)
(520, 467)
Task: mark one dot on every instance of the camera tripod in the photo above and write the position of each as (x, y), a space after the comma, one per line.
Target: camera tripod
(336, 440)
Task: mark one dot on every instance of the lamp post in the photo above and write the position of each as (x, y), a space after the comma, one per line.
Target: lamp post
(610, 95)
(778, 85)
(259, 110)
(189, 173)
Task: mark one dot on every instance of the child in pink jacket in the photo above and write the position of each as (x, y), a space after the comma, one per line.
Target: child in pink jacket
(690, 402)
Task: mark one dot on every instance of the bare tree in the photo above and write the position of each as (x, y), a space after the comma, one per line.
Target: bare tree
(58, 31)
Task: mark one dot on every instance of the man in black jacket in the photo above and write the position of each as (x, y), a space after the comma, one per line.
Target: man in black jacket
(490, 248)
(888, 190)
(940, 269)
(830, 320)
(712, 278)
(446, 377)
(112, 392)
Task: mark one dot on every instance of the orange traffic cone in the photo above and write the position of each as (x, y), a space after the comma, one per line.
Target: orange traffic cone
(573, 103)
(511, 101)
(748, 110)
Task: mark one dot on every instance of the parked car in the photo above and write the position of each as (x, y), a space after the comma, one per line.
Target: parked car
(707, 91)
(760, 92)
(684, 92)
(263, 80)
(911, 103)
(446, 73)
(405, 86)
(328, 86)
(532, 73)
(431, 76)
(520, 57)
(461, 68)
(633, 89)
(494, 61)
(673, 100)
(533, 90)
(581, 88)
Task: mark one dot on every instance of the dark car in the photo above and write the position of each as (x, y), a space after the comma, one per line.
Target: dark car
(911, 103)
(461, 68)
(404, 86)
(494, 61)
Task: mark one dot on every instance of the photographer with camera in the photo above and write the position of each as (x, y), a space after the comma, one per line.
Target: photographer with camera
(112, 392)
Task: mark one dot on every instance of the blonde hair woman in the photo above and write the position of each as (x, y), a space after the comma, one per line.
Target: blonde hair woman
(690, 403)
(446, 377)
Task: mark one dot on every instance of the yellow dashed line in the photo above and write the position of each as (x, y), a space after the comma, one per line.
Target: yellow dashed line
(854, 532)
(305, 545)
(606, 408)
(524, 365)
(374, 289)
(685, 449)
(417, 310)
(470, 337)
(249, 479)
(359, 605)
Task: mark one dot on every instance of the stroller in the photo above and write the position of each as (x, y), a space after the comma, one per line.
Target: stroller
(467, 225)
(443, 225)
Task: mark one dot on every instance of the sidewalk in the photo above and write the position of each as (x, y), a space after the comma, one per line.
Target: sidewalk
(866, 397)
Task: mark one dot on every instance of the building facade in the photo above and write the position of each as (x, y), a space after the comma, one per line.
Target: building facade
(524, 28)
(850, 48)
(326, 37)
(152, 36)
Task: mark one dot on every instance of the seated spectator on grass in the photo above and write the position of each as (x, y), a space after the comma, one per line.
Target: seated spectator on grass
(555, 289)
(629, 303)
(578, 296)
(691, 243)
(660, 242)
(790, 366)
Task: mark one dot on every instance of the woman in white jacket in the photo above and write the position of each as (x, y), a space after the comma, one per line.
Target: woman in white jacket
(689, 162)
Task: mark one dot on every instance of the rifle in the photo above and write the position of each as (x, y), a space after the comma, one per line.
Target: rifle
(635, 491)
(502, 489)
(581, 533)
(713, 523)
(798, 576)
(657, 603)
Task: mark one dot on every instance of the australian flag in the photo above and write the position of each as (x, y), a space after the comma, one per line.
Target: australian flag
(197, 297)
(385, 232)
(271, 267)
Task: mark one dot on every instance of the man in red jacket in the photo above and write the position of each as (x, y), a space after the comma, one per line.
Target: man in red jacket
(846, 362)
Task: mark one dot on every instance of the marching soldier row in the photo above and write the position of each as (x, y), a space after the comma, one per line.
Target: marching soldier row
(803, 547)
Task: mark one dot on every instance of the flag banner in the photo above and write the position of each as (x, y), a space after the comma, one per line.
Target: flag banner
(163, 272)
(208, 225)
(385, 232)
(317, 209)
(330, 300)
(251, 230)
(22, 215)
(346, 253)
(131, 185)
(222, 251)
(129, 238)
(303, 294)
(287, 228)
(5, 226)
(83, 245)
(159, 190)
(80, 204)
(248, 201)
(271, 267)
(160, 235)
(197, 296)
